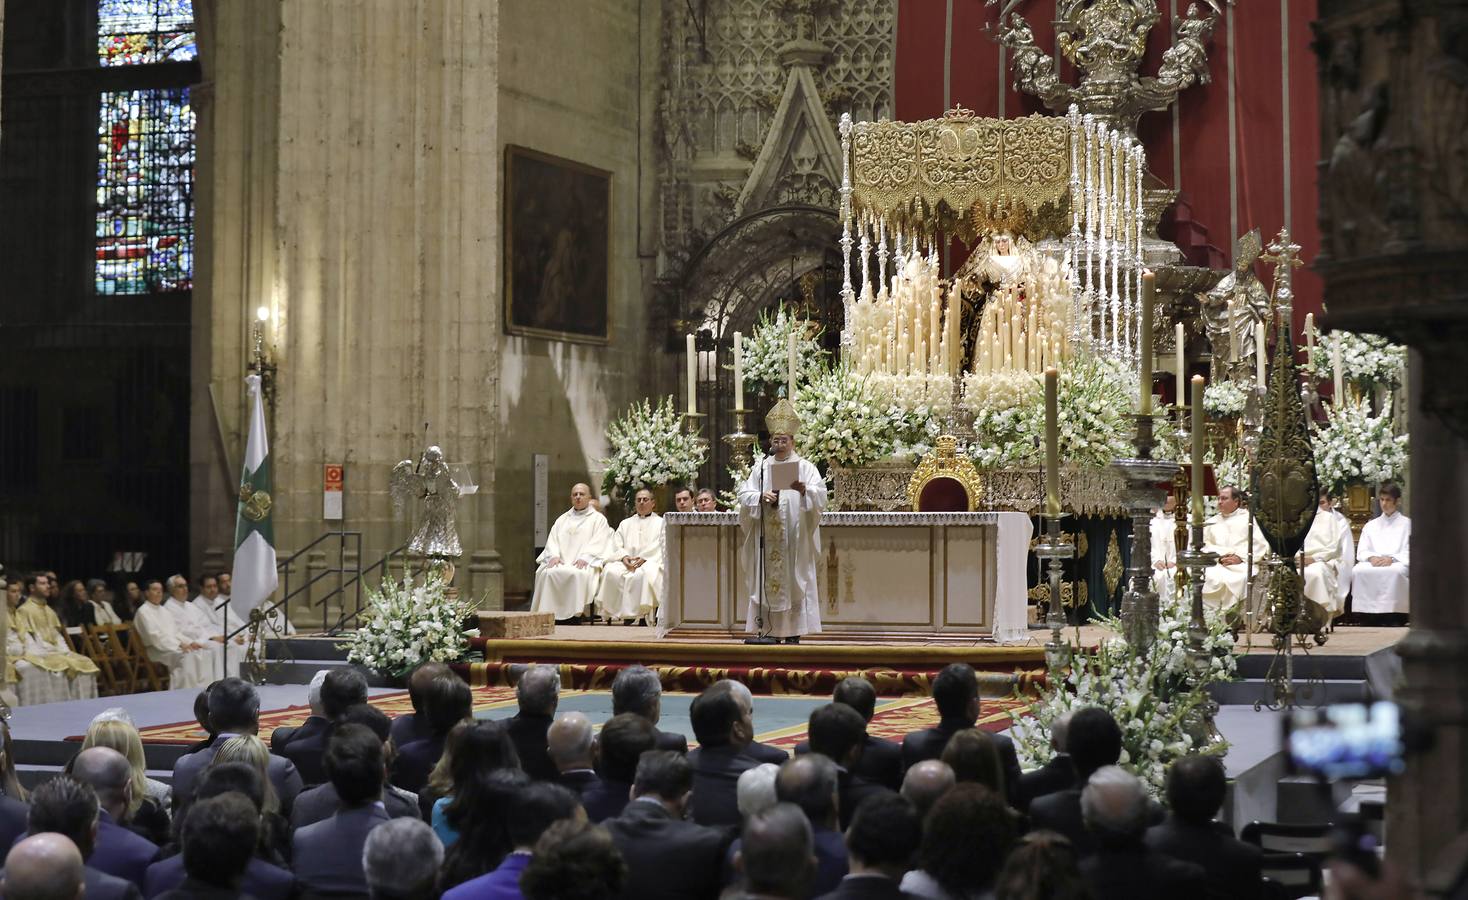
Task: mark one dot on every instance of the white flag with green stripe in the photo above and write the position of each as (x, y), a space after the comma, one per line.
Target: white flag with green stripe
(254, 538)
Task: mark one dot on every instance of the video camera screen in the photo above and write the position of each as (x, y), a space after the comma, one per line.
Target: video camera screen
(1346, 740)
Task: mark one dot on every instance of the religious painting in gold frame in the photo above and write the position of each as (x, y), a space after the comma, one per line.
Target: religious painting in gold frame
(558, 247)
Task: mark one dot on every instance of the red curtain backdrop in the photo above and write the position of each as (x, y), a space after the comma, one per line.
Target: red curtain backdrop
(1241, 177)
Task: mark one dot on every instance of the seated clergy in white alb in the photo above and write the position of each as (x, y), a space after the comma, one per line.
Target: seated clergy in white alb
(783, 588)
(1379, 580)
(632, 581)
(1347, 557)
(1320, 558)
(1164, 549)
(570, 565)
(197, 625)
(1227, 534)
(190, 663)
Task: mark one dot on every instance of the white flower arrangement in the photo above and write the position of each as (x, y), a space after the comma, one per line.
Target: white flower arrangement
(406, 625)
(1224, 398)
(842, 422)
(1355, 446)
(1096, 396)
(650, 448)
(767, 351)
(1001, 390)
(729, 498)
(1155, 697)
(1367, 360)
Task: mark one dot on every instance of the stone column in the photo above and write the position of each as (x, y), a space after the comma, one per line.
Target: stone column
(353, 191)
(1395, 259)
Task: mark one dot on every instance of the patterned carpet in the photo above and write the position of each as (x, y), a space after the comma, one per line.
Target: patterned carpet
(893, 718)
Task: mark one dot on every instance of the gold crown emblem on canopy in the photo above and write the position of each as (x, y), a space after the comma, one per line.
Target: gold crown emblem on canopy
(782, 418)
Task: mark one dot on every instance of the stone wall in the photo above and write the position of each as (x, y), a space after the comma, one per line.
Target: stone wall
(574, 87)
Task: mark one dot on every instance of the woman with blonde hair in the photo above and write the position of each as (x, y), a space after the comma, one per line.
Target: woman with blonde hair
(151, 800)
(275, 832)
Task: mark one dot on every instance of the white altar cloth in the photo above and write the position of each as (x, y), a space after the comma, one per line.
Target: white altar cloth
(899, 572)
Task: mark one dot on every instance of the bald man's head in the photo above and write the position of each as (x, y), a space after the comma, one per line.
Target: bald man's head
(926, 782)
(571, 742)
(108, 773)
(580, 495)
(43, 867)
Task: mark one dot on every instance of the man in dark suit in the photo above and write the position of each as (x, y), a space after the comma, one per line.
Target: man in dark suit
(1123, 867)
(234, 708)
(623, 740)
(667, 856)
(315, 724)
(328, 855)
(43, 867)
(13, 814)
(881, 759)
(776, 856)
(201, 715)
(321, 802)
(810, 783)
(68, 807)
(837, 732)
(538, 692)
(414, 726)
(219, 837)
(341, 689)
(1195, 789)
(572, 745)
(762, 752)
(401, 861)
(117, 850)
(533, 808)
(1094, 740)
(639, 690)
(723, 730)
(956, 695)
(1059, 774)
(881, 843)
(446, 702)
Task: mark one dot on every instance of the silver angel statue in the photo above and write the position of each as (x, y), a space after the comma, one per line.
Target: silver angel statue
(430, 484)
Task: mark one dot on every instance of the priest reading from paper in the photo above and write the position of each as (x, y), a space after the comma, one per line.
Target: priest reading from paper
(1379, 580)
(570, 565)
(632, 581)
(785, 495)
(1227, 534)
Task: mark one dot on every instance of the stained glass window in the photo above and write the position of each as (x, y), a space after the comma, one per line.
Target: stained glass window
(145, 153)
(137, 32)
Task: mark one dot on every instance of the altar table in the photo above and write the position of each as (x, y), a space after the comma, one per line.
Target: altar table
(881, 573)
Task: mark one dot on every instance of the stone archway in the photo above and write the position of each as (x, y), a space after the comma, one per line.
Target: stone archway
(751, 265)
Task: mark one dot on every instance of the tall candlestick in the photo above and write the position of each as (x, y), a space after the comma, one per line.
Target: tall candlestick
(1144, 348)
(1052, 442)
(692, 377)
(1197, 460)
(789, 368)
(1310, 339)
(1261, 374)
(739, 368)
(1182, 374)
(1335, 364)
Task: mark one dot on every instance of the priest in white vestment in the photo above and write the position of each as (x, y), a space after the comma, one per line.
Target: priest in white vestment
(1379, 580)
(1164, 550)
(632, 581)
(217, 608)
(1320, 558)
(789, 512)
(1348, 557)
(1227, 534)
(190, 663)
(570, 565)
(199, 626)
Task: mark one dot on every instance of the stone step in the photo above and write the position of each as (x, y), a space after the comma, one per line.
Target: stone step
(307, 647)
(1256, 665)
(1330, 690)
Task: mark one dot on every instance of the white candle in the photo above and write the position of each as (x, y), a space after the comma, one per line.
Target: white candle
(1260, 352)
(739, 369)
(1182, 391)
(790, 369)
(1340, 377)
(692, 377)
(1309, 338)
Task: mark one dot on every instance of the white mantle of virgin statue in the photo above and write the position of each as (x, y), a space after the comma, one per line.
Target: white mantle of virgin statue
(881, 573)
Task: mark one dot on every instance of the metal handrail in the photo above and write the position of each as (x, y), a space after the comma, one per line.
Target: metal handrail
(348, 578)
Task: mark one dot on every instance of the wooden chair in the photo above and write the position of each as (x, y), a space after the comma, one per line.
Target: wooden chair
(1278, 837)
(97, 647)
(1295, 874)
(139, 669)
